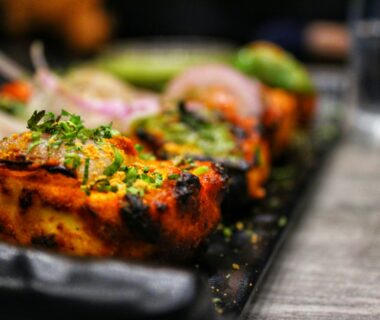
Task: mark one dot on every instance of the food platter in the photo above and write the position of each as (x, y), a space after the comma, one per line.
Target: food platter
(222, 283)
(120, 205)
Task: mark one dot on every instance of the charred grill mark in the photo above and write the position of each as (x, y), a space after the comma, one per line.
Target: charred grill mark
(191, 119)
(269, 130)
(135, 215)
(187, 185)
(239, 132)
(109, 232)
(241, 165)
(237, 190)
(88, 211)
(152, 141)
(4, 189)
(162, 154)
(25, 200)
(219, 168)
(48, 241)
(6, 230)
(259, 128)
(60, 170)
(57, 205)
(161, 207)
(106, 231)
(186, 192)
(17, 164)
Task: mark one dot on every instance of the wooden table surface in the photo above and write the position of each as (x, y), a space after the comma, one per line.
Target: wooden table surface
(329, 267)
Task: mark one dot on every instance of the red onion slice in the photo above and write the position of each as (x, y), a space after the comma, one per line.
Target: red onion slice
(115, 108)
(246, 90)
(112, 108)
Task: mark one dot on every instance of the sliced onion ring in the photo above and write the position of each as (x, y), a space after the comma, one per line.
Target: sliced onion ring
(114, 108)
(246, 90)
(109, 107)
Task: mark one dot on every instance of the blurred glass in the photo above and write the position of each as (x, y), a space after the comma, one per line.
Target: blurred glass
(365, 25)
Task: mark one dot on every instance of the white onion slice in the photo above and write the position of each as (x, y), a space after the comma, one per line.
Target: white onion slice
(246, 90)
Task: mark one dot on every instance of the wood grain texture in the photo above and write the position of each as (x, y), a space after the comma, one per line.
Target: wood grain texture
(330, 265)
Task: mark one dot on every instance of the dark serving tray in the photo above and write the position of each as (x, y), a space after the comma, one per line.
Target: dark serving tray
(242, 250)
(220, 284)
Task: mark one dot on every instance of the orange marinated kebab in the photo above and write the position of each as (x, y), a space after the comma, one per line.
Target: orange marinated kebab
(287, 86)
(212, 113)
(92, 192)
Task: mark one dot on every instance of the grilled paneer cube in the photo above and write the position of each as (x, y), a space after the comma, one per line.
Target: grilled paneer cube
(93, 192)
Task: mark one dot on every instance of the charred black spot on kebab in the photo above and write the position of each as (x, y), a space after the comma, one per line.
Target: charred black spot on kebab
(18, 164)
(25, 200)
(4, 188)
(161, 207)
(61, 170)
(186, 192)
(135, 215)
(189, 117)
(48, 241)
(239, 132)
(149, 139)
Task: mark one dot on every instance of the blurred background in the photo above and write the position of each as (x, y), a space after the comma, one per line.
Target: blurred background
(314, 31)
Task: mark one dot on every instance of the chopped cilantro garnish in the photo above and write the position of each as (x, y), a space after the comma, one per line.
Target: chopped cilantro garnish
(33, 145)
(227, 232)
(196, 131)
(135, 191)
(200, 170)
(74, 148)
(151, 180)
(72, 160)
(143, 155)
(158, 179)
(115, 165)
(36, 140)
(36, 136)
(146, 169)
(86, 189)
(67, 131)
(148, 179)
(139, 148)
(86, 170)
(131, 176)
(173, 176)
(32, 123)
(102, 185)
(147, 156)
(66, 128)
